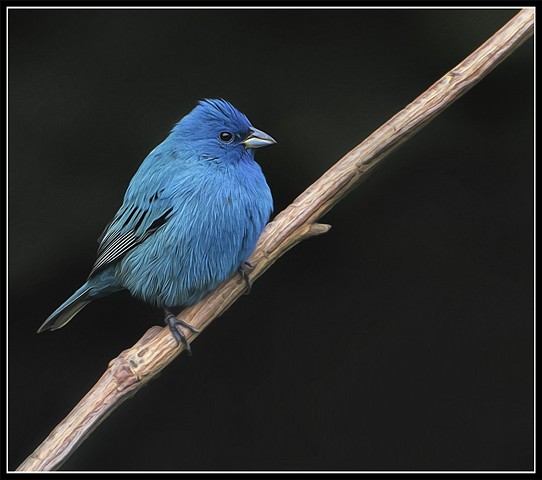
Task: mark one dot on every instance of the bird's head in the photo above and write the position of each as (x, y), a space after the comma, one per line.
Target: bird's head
(217, 129)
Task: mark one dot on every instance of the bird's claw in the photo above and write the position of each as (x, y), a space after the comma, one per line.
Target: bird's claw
(244, 271)
(174, 323)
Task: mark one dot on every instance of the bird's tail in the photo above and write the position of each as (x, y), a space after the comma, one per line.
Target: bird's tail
(69, 309)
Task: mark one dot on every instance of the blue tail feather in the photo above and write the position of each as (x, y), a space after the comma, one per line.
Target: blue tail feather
(68, 309)
(97, 286)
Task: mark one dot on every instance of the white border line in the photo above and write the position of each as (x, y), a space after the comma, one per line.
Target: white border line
(273, 8)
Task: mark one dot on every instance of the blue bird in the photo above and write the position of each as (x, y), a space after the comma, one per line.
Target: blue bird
(190, 218)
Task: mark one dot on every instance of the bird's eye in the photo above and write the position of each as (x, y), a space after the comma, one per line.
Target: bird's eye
(226, 137)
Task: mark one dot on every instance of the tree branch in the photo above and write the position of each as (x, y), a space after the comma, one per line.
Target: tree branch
(134, 367)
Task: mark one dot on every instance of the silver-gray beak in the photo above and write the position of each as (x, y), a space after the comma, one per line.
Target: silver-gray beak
(257, 139)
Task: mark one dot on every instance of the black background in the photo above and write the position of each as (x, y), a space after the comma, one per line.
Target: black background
(400, 340)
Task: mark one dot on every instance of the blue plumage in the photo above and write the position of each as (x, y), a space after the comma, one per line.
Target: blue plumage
(191, 215)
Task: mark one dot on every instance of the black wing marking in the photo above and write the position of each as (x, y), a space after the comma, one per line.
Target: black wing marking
(130, 227)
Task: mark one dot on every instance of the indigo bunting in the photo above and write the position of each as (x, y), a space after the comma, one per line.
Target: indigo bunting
(190, 218)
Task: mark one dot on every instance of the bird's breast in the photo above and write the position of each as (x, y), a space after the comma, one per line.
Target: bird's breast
(212, 230)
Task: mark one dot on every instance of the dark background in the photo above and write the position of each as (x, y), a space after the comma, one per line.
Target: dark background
(402, 339)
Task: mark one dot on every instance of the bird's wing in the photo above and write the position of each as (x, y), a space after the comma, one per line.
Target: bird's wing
(133, 223)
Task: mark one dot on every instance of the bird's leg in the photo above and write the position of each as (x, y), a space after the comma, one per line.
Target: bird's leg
(244, 270)
(173, 323)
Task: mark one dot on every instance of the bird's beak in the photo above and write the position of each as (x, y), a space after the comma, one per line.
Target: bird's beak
(257, 139)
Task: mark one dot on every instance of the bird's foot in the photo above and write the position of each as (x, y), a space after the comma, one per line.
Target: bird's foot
(174, 325)
(244, 271)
